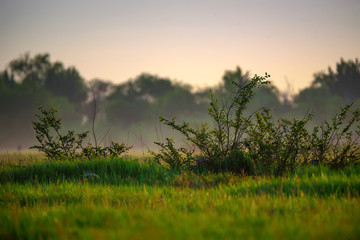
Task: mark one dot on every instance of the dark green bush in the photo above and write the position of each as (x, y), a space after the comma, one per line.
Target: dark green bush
(276, 147)
(68, 146)
(175, 158)
(215, 144)
(239, 162)
(258, 144)
(335, 143)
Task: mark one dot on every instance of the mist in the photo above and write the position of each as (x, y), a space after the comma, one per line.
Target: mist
(129, 111)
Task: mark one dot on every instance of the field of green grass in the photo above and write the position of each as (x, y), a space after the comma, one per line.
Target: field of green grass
(128, 199)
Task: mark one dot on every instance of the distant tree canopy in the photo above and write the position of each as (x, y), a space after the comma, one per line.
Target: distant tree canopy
(266, 96)
(234, 76)
(66, 82)
(147, 95)
(329, 91)
(344, 81)
(28, 81)
(40, 72)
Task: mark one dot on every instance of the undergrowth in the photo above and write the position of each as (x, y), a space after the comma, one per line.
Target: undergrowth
(60, 146)
(255, 144)
(259, 144)
(314, 180)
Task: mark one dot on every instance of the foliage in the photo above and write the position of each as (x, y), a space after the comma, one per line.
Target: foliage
(276, 147)
(175, 158)
(59, 146)
(230, 77)
(318, 101)
(329, 90)
(239, 162)
(344, 81)
(114, 150)
(31, 80)
(69, 146)
(267, 95)
(260, 146)
(61, 81)
(334, 143)
(39, 71)
(217, 144)
(138, 99)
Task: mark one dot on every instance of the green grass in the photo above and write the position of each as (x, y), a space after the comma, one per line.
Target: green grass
(115, 171)
(138, 200)
(20, 158)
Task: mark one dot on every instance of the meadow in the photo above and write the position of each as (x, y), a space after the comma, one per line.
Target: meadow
(123, 198)
(252, 179)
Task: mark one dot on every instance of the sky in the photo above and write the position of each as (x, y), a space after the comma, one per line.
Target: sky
(190, 41)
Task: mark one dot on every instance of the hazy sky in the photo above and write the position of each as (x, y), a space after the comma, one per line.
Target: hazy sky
(189, 40)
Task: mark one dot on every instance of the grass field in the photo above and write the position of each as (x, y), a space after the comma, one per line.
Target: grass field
(128, 199)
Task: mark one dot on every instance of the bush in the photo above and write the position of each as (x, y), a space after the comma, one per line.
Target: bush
(69, 146)
(259, 146)
(334, 143)
(214, 144)
(276, 147)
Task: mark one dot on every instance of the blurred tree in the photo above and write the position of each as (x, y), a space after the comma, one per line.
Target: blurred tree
(28, 82)
(178, 101)
(102, 89)
(234, 76)
(344, 82)
(66, 82)
(40, 72)
(17, 107)
(152, 87)
(30, 69)
(124, 105)
(7, 81)
(147, 95)
(265, 96)
(127, 111)
(319, 101)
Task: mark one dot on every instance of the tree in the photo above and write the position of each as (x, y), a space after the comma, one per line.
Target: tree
(102, 89)
(265, 96)
(234, 76)
(317, 100)
(40, 72)
(344, 82)
(178, 101)
(147, 95)
(30, 69)
(66, 82)
(152, 87)
(29, 81)
(125, 105)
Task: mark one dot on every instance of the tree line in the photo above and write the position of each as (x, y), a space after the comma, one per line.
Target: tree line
(29, 81)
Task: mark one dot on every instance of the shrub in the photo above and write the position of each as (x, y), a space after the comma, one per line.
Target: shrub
(276, 147)
(215, 144)
(261, 145)
(60, 146)
(175, 158)
(334, 143)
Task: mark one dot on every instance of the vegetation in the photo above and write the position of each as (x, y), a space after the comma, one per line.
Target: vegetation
(261, 146)
(246, 176)
(32, 80)
(236, 143)
(68, 146)
(131, 199)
